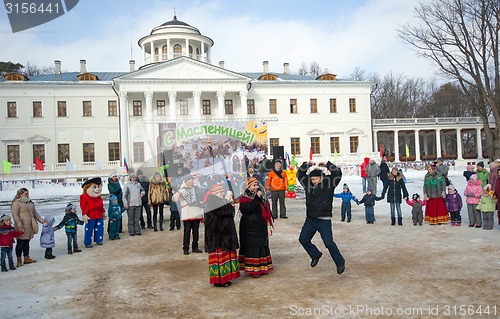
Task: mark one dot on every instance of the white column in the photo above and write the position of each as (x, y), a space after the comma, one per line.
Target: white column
(438, 142)
(426, 143)
(169, 50)
(187, 48)
(244, 107)
(417, 146)
(459, 144)
(197, 105)
(479, 143)
(172, 96)
(150, 137)
(396, 146)
(124, 125)
(375, 142)
(220, 104)
(209, 55)
(202, 57)
(143, 54)
(152, 52)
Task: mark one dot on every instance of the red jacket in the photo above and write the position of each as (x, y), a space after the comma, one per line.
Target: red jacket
(7, 234)
(91, 206)
(363, 167)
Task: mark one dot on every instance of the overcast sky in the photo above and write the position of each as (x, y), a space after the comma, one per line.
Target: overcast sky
(340, 35)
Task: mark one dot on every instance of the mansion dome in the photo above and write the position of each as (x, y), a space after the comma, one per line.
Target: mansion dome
(173, 39)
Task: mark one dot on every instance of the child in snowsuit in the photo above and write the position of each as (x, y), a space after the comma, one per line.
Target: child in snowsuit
(417, 212)
(346, 197)
(473, 192)
(115, 217)
(369, 201)
(7, 235)
(487, 207)
(70, 222)
(175, 217)
(47, 240)
(454, 202)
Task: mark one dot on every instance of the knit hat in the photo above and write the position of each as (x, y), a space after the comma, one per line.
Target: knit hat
(217, 188)
(369, 189)
(415, 196)
(112, 175)
(251, 180)
(480, 164)
(188, 177)
(451, 187)
(440, 159)
(345, 186)
(316, 172)
(132, 175)
(70, 207)
(112, 198)
(4, 218)
(469, 167)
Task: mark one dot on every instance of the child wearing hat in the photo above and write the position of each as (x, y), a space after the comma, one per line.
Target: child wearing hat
(47, 239)
(369, 200)
(70, 223)
(115, 217)
(346, 197)
(7, 235)
(487, 207)
(454, 203)
(482, 174)
(417, 211)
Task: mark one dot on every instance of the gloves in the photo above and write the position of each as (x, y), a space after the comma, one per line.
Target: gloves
(85, 219)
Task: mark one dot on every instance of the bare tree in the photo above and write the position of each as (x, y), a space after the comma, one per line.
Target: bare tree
(448, 101)
(315, 69)
(462, 37)
(303, 70)
(32, 69)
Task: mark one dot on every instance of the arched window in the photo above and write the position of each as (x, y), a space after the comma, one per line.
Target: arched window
(191, 52)
(156, 55)
(15, 77)
(87, 77)
(164, 53)
(327, 77)
(268, 77)
(177, 50)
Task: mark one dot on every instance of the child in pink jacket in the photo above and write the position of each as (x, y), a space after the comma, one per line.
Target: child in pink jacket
(473, 192)
(417, 212)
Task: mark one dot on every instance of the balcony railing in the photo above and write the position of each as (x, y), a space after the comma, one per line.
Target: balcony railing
(61, 167)
(431, 121)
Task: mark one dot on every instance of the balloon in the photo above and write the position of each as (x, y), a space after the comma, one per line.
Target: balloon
(294, 195)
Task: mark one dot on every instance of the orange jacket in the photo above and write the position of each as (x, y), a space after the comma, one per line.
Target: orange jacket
(274, 183)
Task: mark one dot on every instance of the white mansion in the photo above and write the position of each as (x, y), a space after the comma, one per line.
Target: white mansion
(94, 119)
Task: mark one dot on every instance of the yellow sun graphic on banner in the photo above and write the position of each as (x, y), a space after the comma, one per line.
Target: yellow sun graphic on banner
(259, 129)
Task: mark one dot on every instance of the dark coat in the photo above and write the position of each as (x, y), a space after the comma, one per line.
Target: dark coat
(384, 172)
(220, 231)
(319, 198)
(253, 228)
(116, 189)
(369, 200)
(394, 187)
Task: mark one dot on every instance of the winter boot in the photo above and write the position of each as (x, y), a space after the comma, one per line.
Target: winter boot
(452, 223)
(4, 268)
(49, 255)
(28, 260)
(70, 251)
(161, 223)
(393, 221)
(155, 223)
(11, 266)
(77, 250)
(400, 221)
(19, 262)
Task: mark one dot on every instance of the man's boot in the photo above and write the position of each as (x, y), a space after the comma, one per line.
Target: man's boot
(4, 267)
(393, 221)
(11, 266)
(400, 221)
(19, 262)
(28, 260)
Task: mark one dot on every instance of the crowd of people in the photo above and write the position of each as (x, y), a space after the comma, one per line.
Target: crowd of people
(214, 204)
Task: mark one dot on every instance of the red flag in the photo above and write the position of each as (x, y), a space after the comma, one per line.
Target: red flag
(38, 164)
(310, 153)
(380, 150)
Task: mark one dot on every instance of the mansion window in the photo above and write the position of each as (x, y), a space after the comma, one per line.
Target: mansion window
(156, 55)
(354, 144)
(333, 105)
(62, 110)
(293, 106)
(184, 107)
(206, 108)
(62, 153)
(39, 152)
(191, 52)
(112, 108)
(13, 154)
(137, 108)
(177, 50)
(228, 106)
(315, 145)
(272, 143)
(164, 52)
(250, 106)
(314, 105)
(273, 107)
(352, 105)
(295, 145)
(37, 109)
(138, 151)
(11, 109)
(114, 151)
(87, 108)
(334, 145)
(88, 152)
(160, 107)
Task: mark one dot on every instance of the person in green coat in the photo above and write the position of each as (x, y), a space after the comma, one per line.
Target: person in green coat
(482, 174)
(487, 207)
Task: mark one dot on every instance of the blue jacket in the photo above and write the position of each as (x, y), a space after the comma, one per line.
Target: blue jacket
(346, 197)
(69, 222)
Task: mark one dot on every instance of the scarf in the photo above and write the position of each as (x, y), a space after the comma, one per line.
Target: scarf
(279, 173)
(264, 206)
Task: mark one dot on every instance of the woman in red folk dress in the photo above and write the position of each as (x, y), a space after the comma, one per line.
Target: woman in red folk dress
(255, 256)
(435, 192)
(221, 240)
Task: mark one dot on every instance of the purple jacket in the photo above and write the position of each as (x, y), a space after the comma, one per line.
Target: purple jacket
(454, 202)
